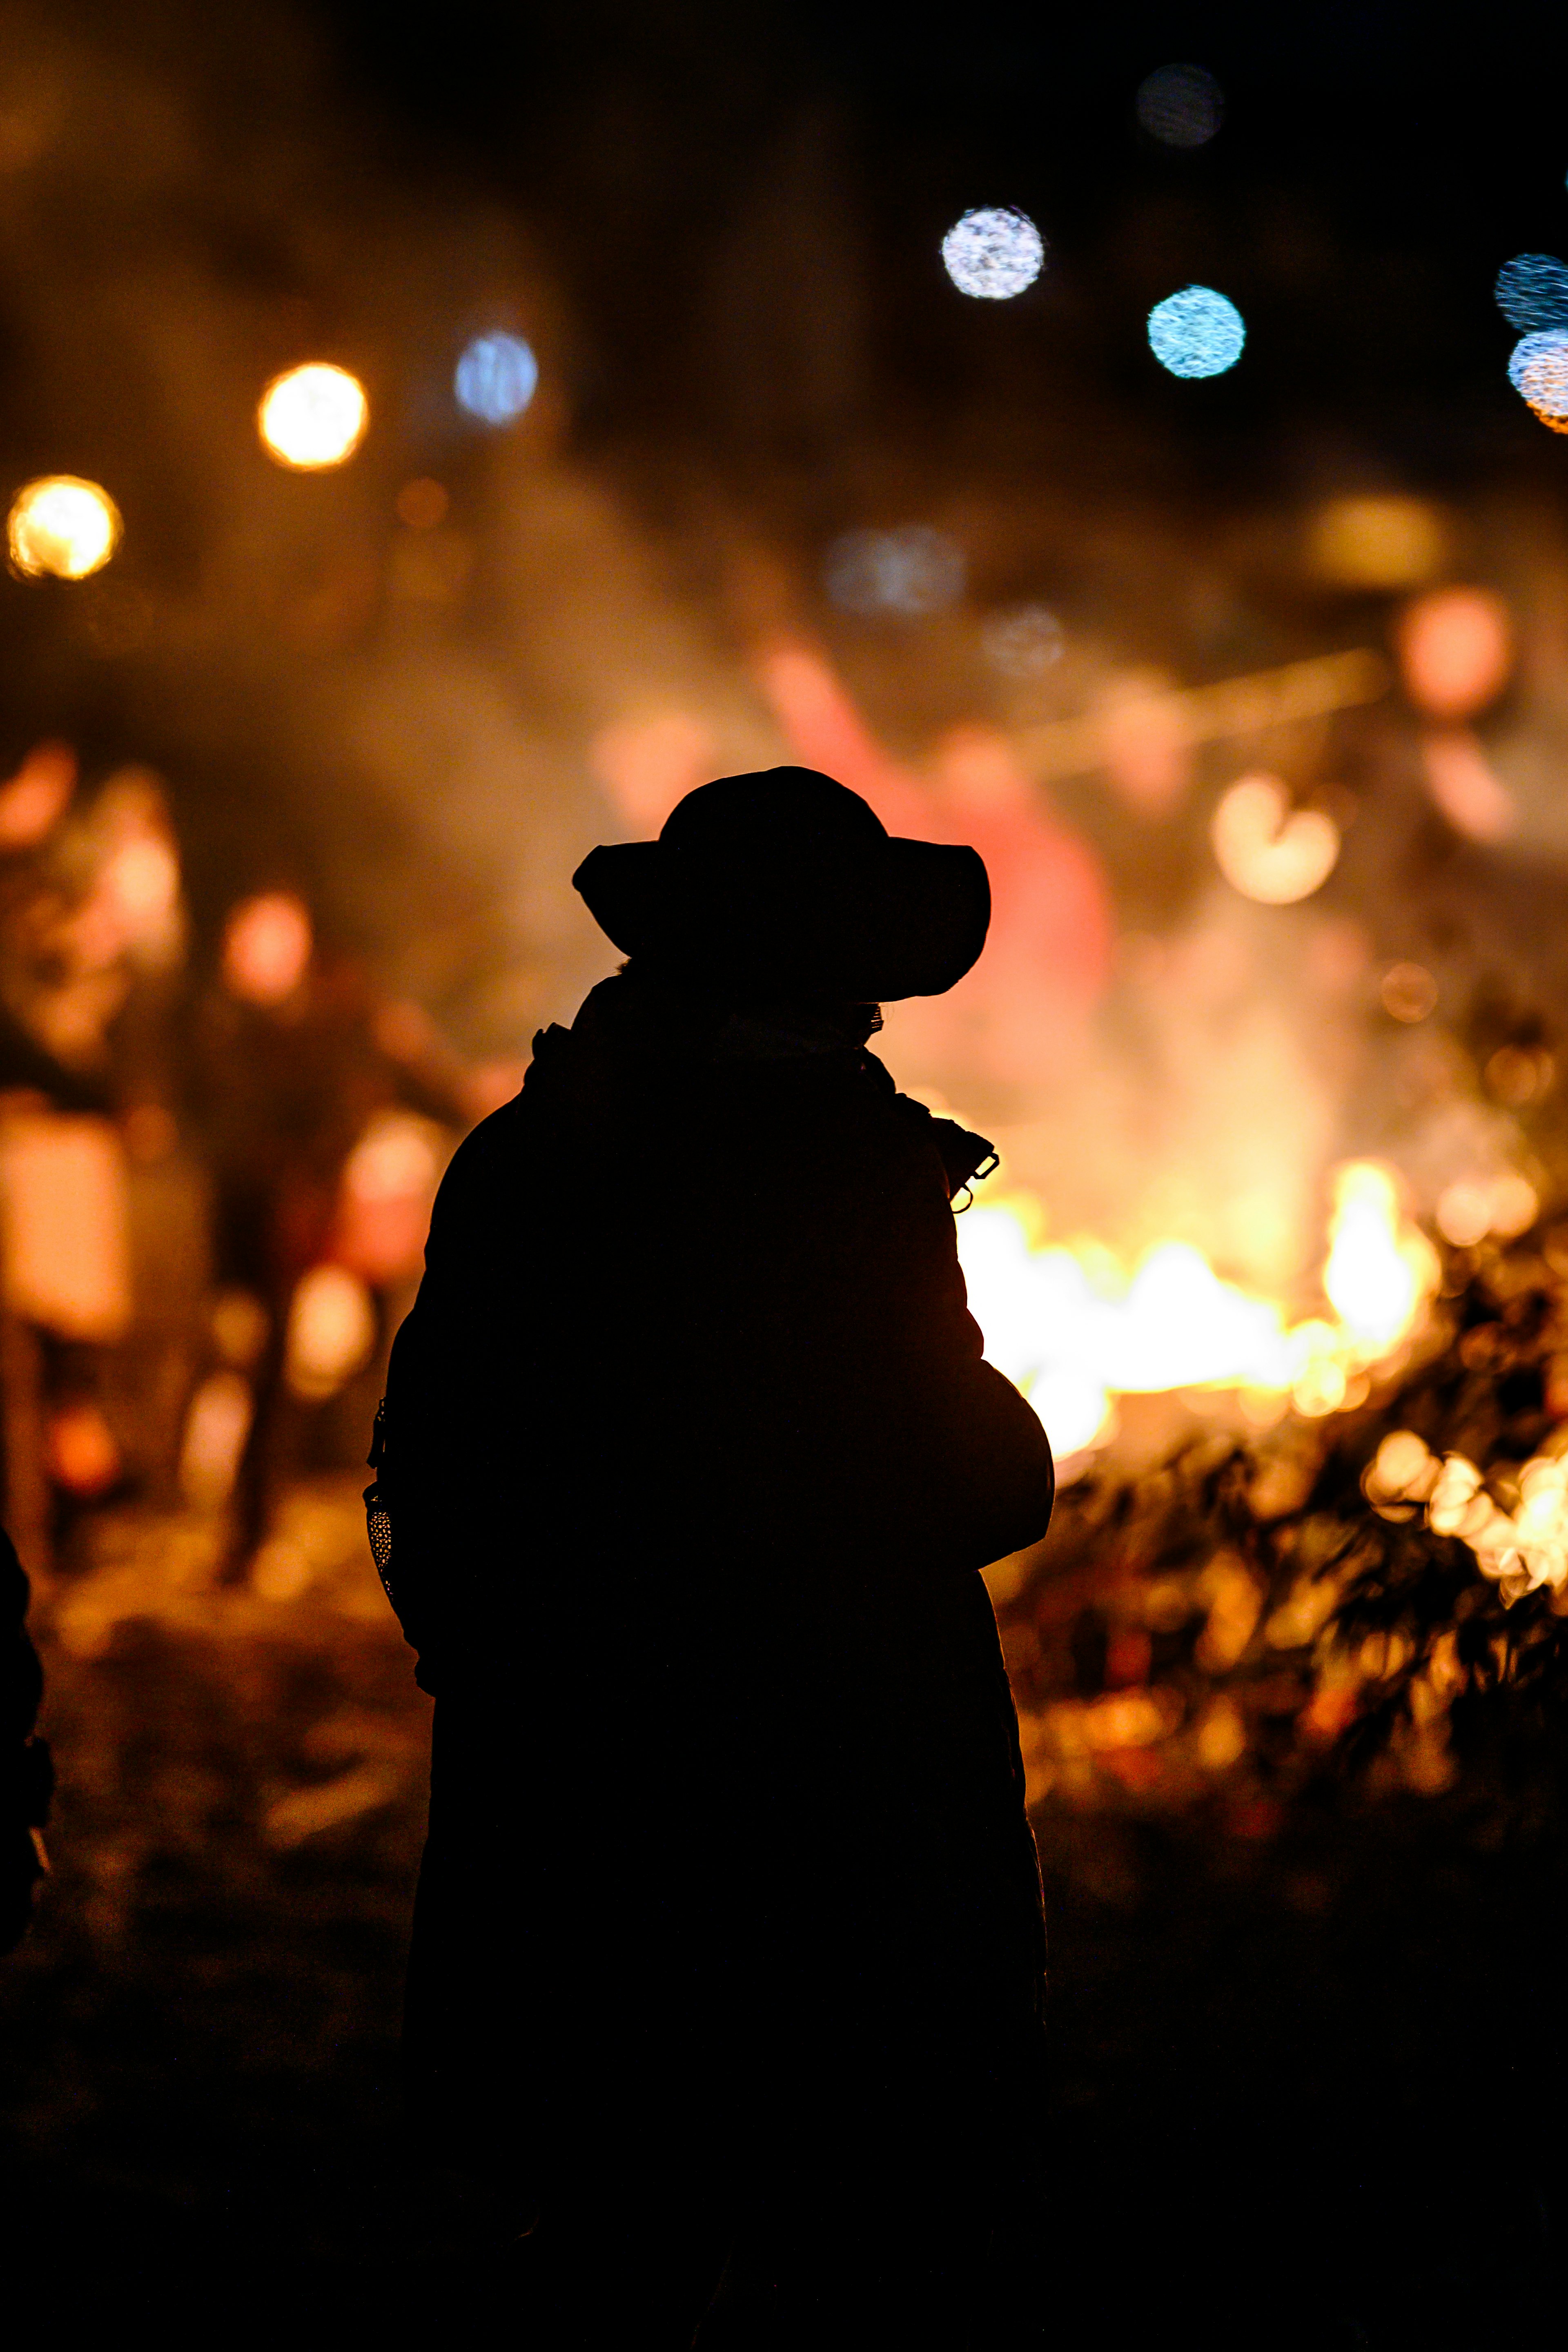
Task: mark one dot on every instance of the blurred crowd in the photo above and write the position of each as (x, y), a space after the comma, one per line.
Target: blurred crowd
(216, 1164)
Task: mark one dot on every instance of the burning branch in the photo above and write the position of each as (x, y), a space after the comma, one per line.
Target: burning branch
(1186, 717)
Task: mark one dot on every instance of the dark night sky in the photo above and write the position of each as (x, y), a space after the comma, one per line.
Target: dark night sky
(1374, 168)
(721, 226)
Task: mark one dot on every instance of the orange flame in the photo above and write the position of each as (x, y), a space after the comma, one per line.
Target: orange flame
(1074, 1326)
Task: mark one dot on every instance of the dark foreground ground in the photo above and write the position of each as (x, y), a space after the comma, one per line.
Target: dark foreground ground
(1308, 2091)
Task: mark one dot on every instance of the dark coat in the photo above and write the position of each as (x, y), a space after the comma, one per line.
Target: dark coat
(692, 1462)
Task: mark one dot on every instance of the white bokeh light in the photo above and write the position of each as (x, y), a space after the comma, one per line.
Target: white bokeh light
(496, 378)
(1538, 371)
(313, 416)
(1196, 332)
(62, 525)
(994, 253)
(1268, 850)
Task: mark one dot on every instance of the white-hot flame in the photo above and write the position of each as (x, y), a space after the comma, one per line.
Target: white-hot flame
(1075, 1328)
(1376, 1273)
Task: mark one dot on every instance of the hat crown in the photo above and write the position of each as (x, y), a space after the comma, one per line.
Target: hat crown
(785, 879)
(794, 813)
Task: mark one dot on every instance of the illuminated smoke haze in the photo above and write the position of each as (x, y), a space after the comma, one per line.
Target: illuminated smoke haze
(422, 714)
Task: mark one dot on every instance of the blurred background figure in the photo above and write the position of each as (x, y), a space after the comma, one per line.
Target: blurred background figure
(81, 904)
(26, 1774)
(327, 1114)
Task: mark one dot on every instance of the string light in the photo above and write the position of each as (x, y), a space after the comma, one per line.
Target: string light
(314, 417)
(994, 253)
(64, 526)
(1531, 290)
(1196, 332)
(496, 378)
(1538, 371)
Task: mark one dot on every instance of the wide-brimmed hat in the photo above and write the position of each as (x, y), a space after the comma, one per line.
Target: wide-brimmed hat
(785, 879)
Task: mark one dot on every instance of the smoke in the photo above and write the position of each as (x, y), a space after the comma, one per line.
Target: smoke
(424, 723)
(396, 720)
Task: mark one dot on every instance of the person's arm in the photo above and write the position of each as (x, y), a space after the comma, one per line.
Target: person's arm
(450, 1409)
(907, 1436)
(979, 1460)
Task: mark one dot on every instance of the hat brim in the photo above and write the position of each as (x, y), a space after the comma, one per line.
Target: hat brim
(907, 918)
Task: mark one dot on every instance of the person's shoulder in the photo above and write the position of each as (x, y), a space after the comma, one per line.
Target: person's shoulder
(489, 1145)
(490, 1156)
(842, 1114)
(964, 1157)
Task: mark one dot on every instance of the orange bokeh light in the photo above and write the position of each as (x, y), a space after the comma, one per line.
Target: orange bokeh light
(33, 801)
(1456, 650)
(267, 947)
(313, 416)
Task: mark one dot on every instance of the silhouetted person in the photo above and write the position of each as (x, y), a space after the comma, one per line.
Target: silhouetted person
(26, 1774)
(729, 1935)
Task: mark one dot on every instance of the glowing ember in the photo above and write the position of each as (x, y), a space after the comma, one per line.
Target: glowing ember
(63, 526)
(1269, 851)
(1470, 1209)
(1075, 1328)
(1518, 1550)
(313, 416)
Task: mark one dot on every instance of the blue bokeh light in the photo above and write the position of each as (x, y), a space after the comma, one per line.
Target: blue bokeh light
(496, 378)
(1531, 291)
(1196, 332)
